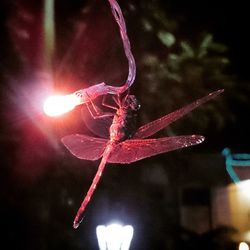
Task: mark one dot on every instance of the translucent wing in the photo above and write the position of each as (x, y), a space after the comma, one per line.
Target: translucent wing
(84, 147)
(155, 126)
(134, 150)
(99, 126)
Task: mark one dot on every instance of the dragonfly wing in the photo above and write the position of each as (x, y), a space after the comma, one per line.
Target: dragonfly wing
(155, 126)
(85, 147)
(98, 126)
(134, 150)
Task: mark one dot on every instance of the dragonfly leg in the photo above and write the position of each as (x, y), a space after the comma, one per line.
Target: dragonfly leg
(117, 100)
(108, 105)
(97, 112)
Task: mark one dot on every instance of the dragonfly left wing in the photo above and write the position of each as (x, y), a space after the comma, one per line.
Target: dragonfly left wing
(85, 147)
(134, 150)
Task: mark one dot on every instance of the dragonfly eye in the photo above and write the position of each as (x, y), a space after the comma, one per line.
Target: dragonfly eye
(136, 106)
(132, 103)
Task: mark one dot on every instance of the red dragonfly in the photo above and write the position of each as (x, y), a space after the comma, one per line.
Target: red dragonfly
(125, 145)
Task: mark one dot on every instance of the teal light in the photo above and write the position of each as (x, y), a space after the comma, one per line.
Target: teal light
(235, 160)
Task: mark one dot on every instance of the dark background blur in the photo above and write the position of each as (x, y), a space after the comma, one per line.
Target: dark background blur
(183, 51)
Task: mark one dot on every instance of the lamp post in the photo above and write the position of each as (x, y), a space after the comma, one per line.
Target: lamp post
(114, 237)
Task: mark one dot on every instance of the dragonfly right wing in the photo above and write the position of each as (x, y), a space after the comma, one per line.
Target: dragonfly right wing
(156, 125)
(134, 150)
(85, 147)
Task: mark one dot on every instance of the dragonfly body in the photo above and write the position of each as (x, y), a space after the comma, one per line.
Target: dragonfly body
(119, 131)
(123, 124)
(126, 146)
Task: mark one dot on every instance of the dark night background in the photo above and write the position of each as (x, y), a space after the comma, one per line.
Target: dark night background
(42, 185)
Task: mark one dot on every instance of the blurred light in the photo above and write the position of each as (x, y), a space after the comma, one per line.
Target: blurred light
(166, 38)
(114, 237)
(49, 30)
(58, 105)
(244, 189)
(243, 246)
(246, 236)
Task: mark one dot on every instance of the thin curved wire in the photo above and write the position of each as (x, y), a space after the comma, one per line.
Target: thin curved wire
(117, 13)
(92, 92)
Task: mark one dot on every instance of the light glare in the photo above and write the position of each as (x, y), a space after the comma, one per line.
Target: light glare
(114, 237)
(246, 236)
(243, 246)
(127, 235)
(58, 105)
(244, 189)
(101, 237)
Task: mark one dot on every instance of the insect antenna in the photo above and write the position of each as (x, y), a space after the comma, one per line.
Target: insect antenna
(108, 105)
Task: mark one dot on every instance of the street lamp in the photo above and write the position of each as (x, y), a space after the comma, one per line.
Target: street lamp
(114, 237)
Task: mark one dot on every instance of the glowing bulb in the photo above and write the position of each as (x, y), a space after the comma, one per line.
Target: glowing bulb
(114, 237)
(243, 246)
(58, 105)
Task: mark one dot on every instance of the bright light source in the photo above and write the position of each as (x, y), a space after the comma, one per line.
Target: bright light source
(244, 189)
(114, 237)
(246, 236)
(58, 105)
(243, 246)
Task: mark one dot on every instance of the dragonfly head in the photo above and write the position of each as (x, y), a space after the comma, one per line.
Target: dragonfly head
(130, 102)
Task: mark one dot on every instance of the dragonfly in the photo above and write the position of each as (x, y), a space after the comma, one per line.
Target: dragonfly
(124, 143)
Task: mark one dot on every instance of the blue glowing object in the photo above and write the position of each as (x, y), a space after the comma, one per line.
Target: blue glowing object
(235, 160)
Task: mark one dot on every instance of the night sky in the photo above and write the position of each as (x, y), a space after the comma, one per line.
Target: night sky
(229, 24)
(42, 184)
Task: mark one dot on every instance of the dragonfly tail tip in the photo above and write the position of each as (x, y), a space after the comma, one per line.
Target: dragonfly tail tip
(75, 225)
(77, 222)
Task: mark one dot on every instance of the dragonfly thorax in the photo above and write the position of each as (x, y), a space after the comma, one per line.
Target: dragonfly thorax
(124, 121)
